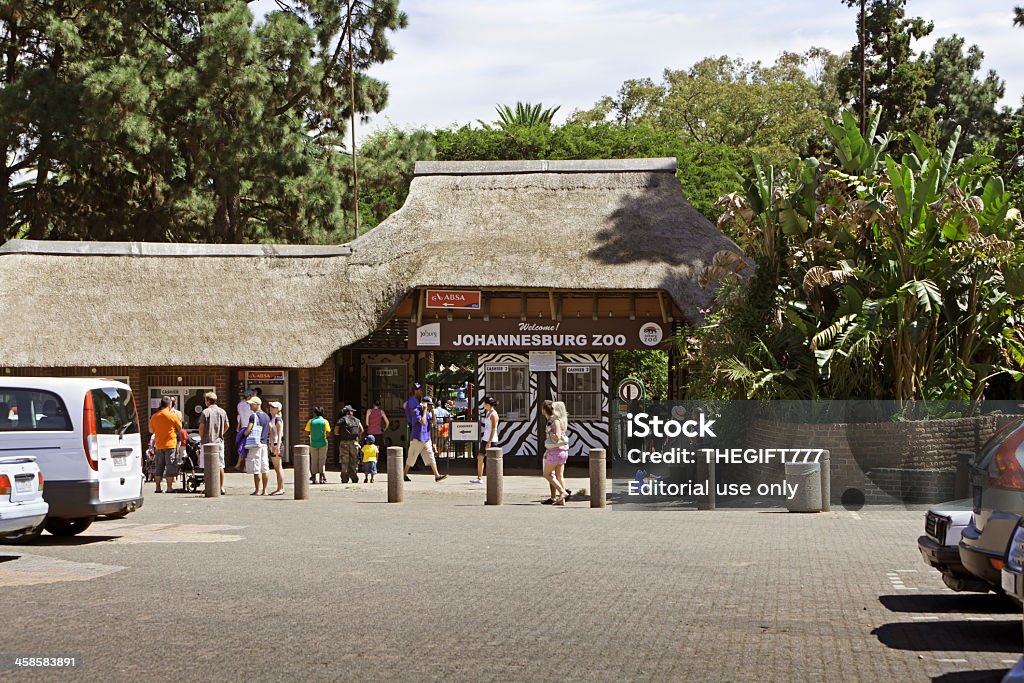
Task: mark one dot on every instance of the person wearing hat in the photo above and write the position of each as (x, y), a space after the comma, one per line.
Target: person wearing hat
(420, 444)
(244, 411)
(348, 430)
(276, 444)
(412, 403)
(257, 437)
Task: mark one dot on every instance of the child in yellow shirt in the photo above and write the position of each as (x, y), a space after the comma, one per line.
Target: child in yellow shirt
(369, 459)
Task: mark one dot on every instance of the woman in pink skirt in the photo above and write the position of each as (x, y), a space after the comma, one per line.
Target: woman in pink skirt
(556, 444)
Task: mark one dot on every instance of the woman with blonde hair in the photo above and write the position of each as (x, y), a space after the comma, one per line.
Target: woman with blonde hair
(556, 453)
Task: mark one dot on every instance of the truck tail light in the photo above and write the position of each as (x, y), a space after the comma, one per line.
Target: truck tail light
(40, 481)
(5, 485)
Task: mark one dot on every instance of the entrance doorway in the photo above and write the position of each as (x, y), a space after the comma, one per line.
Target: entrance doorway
(386, 378)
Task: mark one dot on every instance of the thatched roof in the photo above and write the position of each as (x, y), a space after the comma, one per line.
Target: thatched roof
(595, 225)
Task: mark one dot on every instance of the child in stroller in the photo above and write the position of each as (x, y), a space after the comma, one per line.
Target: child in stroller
(191, 475)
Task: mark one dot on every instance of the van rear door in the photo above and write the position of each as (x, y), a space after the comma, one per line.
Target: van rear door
(113, 444)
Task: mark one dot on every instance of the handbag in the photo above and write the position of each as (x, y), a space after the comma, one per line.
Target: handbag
(253, 439)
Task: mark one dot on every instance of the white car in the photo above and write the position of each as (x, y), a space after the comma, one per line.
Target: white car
(943, 525)
(22, 508)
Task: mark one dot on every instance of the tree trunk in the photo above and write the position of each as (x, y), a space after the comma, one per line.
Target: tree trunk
(227, 220)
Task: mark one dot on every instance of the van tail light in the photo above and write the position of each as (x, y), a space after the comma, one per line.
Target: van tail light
(5, 485)
(89, 430)
(40, 481)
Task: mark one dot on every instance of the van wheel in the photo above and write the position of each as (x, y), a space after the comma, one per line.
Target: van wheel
(68, 527)
(25, 536)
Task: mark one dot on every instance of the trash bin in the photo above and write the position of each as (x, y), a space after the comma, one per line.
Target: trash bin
(807, 479)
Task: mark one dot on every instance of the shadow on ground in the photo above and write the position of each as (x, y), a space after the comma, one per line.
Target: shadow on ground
(944, 603)
(952, 636)
(989, 676)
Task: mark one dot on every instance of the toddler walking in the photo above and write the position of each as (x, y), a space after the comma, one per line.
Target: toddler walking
(369, 459)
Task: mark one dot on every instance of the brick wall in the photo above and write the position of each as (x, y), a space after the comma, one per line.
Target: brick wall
(889, 462)
(316, 388)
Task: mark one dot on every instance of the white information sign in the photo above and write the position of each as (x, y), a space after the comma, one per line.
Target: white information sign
(465, 431)
(542, 361)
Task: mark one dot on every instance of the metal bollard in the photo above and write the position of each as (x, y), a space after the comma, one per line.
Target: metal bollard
(495, 476)
(598, 458)
(211, 468)
(300, 457)
(826, 481)
(396, 470)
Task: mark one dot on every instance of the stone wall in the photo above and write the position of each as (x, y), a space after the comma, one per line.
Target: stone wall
(888, 462)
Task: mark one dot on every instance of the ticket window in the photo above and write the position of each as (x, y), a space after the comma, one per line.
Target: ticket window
(273, 386)
(189, 400)
(389, 384)
(579, 387)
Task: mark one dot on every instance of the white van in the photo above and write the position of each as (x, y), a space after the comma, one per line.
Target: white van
(84, 434)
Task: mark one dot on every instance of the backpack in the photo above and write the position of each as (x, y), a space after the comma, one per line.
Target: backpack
(349, 428)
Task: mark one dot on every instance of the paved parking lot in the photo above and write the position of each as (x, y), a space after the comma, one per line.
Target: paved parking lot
(345, 587)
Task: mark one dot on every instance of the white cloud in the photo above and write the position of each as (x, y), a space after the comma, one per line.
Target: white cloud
(458, 58)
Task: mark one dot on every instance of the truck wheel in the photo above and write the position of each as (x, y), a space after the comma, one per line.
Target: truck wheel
(25, 536)
(68, 527)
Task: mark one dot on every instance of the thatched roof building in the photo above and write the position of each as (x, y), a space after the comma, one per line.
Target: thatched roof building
(588, 225)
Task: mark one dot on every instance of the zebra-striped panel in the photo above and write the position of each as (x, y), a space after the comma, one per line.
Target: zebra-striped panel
(516, 438)
(587, 434)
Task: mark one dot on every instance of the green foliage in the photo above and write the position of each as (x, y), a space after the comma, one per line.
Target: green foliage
(387, 160)
(896, 82)
(524, 115)
(882, 278)
(183, 121)
(959, 98)
(650, 367)
(775, 111)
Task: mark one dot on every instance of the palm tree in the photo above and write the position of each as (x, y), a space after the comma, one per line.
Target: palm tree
(524, 115)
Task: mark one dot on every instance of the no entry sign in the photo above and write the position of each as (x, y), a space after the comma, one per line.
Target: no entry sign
(631, 389)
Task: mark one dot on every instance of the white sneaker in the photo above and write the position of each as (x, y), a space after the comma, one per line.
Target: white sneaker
(475, 480)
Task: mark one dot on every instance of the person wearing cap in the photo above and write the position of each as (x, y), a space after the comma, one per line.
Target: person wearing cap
(420, 444)
(244, 411)
(257, 436)
(213, 428)
(276, 444)
(370, 452)
(348, 430)
(412, 403)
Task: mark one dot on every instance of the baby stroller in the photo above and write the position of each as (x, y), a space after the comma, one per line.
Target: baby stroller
(191, 474)
(149, 462)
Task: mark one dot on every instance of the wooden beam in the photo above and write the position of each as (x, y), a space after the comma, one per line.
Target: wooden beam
(421, 301)
(522, 306)
(551, 300)
(486, 305)
(664, 311)
(558, 305)
(593, 310)
(632, 306)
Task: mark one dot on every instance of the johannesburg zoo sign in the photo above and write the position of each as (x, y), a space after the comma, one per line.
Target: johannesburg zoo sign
(490, 335)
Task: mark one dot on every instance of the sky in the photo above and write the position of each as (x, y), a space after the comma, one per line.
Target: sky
(458, 59)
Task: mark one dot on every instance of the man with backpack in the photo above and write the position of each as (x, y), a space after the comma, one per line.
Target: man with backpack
(348, 430)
